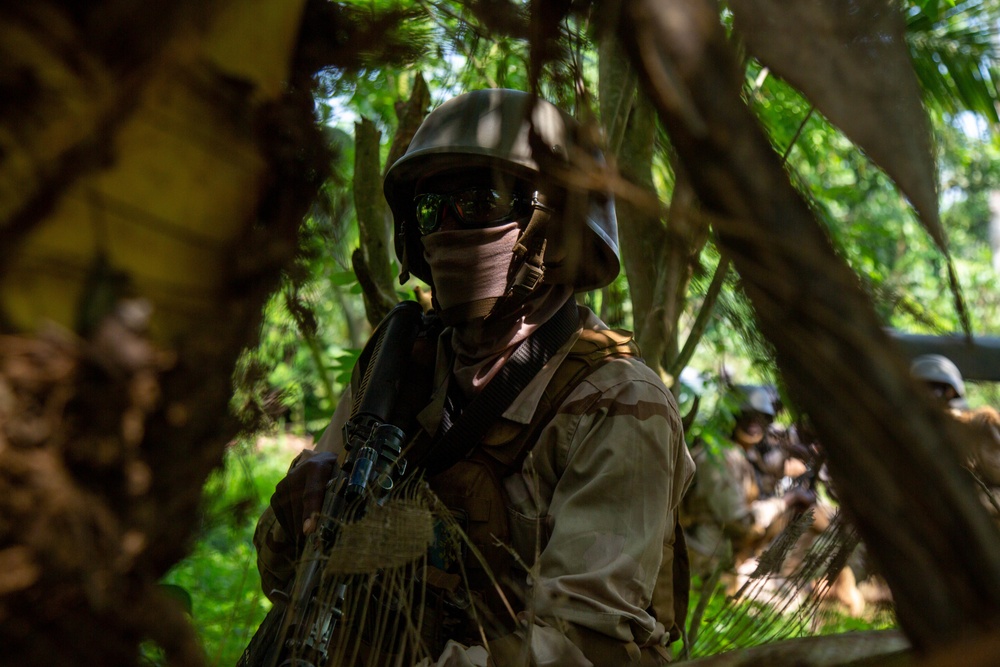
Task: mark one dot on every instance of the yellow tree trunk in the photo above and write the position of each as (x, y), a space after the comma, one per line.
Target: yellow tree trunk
(155, 164)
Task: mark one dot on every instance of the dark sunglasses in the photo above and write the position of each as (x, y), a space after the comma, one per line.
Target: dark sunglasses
(474, 207)
(941, 389)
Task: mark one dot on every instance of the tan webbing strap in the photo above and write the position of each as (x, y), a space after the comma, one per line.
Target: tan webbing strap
(591, 350)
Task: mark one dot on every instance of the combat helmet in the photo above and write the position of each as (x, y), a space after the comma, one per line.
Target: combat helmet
(940, 369)
(513, 132)
(756, 398)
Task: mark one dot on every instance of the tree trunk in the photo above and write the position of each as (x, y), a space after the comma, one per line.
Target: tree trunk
(658, 255)
(160, 163)
(371, 259)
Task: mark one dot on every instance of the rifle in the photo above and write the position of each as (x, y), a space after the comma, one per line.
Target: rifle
(297, 630)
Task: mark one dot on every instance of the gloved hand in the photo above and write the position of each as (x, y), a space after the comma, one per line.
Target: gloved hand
(298, 498)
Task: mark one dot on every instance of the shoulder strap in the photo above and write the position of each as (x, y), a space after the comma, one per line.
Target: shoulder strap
(592, 350)
(529, 358)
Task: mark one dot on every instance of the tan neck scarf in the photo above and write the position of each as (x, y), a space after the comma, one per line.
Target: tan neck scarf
(469, 268)
(470, 265)
(480, 351)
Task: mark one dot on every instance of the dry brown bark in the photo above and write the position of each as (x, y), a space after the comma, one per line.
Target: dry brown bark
(163, 172)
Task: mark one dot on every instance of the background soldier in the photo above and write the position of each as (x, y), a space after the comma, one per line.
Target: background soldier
(735, 505)
(942, 377)
(945, 381)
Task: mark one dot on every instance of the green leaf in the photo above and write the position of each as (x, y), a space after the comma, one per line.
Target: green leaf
(341, 278)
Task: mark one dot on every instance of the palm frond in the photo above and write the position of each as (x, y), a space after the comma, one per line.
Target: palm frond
(785, 595)
(956, 58)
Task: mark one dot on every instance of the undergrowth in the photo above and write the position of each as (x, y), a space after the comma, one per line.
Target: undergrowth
(221, 582)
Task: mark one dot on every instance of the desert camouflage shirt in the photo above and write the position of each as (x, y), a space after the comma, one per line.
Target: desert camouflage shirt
(601, 487)
(725, 503)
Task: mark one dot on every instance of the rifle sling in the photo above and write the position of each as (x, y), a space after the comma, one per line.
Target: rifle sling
(455, 443)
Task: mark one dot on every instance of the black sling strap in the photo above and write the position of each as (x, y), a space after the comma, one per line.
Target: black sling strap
(455, 443)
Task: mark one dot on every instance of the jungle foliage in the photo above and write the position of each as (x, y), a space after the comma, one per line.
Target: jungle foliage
(194, 196)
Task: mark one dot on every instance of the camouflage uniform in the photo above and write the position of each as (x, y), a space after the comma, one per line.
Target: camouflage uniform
(983, 450)
(768, 461)
(726, 516)
(601, 488)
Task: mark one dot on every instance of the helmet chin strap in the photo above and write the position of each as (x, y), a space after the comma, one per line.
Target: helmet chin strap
(526, 267)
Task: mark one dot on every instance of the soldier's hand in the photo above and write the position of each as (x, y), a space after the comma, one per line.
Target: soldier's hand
(298, 498)
(795, 467)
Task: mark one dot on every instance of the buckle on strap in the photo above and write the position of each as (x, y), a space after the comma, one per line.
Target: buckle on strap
(527, 278)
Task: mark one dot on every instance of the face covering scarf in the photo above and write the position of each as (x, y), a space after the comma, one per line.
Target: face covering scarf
(470, 265)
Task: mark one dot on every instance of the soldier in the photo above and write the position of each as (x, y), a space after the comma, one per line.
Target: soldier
(735, 506)
(943, 378)
(495, 207)
(946, 383)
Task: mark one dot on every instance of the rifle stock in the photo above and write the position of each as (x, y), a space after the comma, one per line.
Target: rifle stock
(297, 630)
